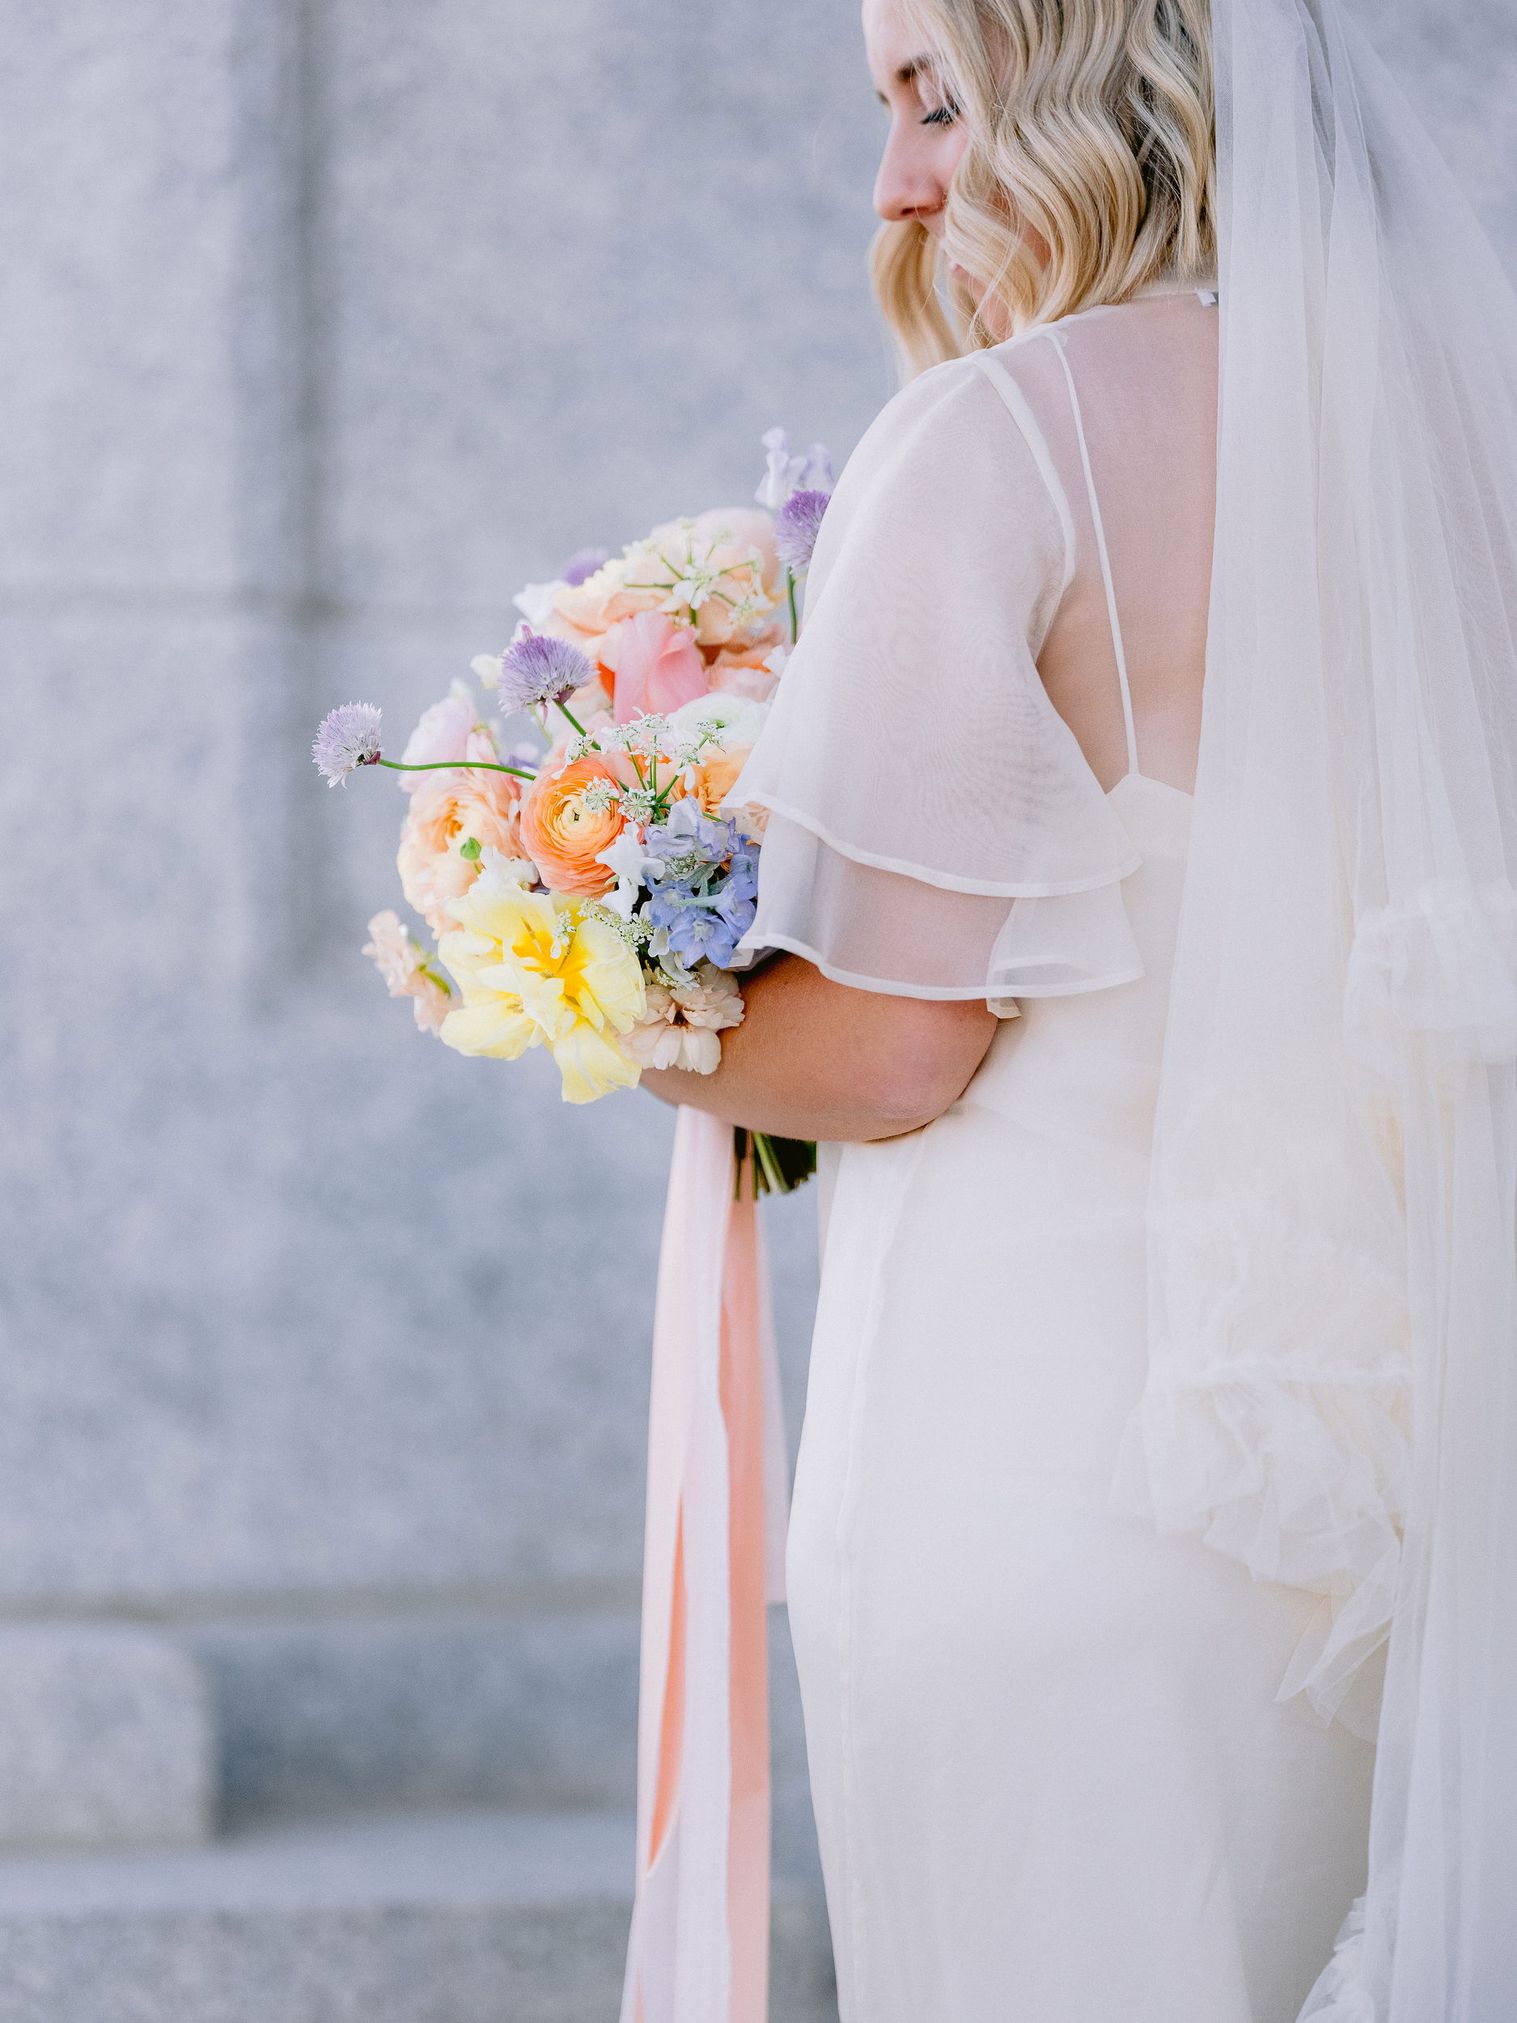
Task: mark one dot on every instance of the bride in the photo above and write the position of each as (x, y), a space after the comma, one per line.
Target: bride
(1138, 927)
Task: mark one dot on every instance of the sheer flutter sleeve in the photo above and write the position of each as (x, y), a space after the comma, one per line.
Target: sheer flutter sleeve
(933, 828)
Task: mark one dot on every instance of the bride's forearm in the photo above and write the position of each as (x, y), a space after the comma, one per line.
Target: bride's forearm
(817, 1059)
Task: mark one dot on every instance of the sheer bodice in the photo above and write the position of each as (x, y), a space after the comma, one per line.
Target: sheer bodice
(1006, 613)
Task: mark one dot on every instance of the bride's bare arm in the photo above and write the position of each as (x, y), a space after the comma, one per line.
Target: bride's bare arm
(816, 1059)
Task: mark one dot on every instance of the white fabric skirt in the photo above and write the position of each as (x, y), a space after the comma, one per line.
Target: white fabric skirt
(1051, 1778)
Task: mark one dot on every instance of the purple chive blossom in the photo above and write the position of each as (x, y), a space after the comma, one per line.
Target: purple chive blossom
(582, 563)
(537, 667)
(797, 525)
(348, 738)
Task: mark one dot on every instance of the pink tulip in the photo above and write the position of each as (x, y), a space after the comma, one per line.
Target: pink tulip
(658, 667)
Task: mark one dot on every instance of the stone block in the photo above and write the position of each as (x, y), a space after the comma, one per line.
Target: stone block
(575, 261)
(358, 1313)
(442, 1708)
(106, 1735)
(146, 155)
(482, 1917)
(335, 1712)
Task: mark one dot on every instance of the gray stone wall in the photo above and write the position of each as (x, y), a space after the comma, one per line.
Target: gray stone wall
(322, 328)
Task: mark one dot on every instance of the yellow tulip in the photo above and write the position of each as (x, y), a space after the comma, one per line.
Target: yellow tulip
(539, 969)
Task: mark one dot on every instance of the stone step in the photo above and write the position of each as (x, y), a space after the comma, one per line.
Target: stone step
(525, 1708)
(107, 1734)
(483, 1916)
(530, 1709)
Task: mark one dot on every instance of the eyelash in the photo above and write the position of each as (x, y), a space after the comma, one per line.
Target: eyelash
(944, 115)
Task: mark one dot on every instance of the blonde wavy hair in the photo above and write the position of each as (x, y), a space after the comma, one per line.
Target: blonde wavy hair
(1091, 123)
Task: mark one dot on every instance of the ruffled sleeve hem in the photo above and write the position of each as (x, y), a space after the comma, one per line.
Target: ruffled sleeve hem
(1443, 965)
(1107, 847)
(1341, 1993)
(883, 924)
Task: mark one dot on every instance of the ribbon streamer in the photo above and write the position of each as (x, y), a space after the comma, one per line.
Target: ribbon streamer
(713, 1557)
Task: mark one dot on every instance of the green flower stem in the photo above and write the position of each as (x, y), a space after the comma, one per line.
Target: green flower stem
(574, 720)
(775, 1165)
(763, 1152)
(449, 765)
(795, 619)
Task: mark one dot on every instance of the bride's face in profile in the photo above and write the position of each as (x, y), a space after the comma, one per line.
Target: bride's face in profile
(926, 136)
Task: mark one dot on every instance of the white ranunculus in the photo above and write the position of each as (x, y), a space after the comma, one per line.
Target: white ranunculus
(535, 603)
(738, 718)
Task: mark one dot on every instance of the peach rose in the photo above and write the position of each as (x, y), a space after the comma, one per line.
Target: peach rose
(746, 527)
(446, 812)
(586, 611)
(742, 671)
(730, 535)
(713, 776)
(730, 550)
(562, 835)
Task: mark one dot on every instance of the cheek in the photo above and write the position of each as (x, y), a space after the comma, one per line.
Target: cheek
(951, 152)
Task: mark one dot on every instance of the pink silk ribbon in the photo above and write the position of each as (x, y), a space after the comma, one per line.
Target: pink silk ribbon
(713, 1557)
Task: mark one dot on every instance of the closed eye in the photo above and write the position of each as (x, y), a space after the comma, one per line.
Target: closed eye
(943, 115)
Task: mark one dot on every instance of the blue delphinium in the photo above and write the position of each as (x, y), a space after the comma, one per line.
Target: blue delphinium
(689, 840)
(703, 881)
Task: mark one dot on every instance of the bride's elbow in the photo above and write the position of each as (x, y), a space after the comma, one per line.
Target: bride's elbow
(923, 1061)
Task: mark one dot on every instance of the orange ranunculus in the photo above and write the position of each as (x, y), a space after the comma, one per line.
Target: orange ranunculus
(562, 835)
(445, 812)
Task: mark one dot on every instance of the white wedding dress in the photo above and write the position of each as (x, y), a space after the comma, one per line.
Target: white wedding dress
(1052, 1781)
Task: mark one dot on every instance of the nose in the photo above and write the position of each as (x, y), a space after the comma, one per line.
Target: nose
(905, 186)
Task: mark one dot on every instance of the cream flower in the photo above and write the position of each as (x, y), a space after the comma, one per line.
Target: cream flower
(713, 1000)
(680, 1027)
(402, 962)
(536, 969)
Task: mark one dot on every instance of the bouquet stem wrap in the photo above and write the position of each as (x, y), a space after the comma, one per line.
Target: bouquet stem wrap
(713, 1557)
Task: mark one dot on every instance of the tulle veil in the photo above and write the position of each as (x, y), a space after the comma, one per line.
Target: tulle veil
(1338, 1097)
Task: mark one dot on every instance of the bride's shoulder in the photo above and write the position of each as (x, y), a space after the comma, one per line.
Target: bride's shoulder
(950, 480)
(931, 400)
(941, 426)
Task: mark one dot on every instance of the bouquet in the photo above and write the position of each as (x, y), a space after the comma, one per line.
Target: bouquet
(582, 884)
